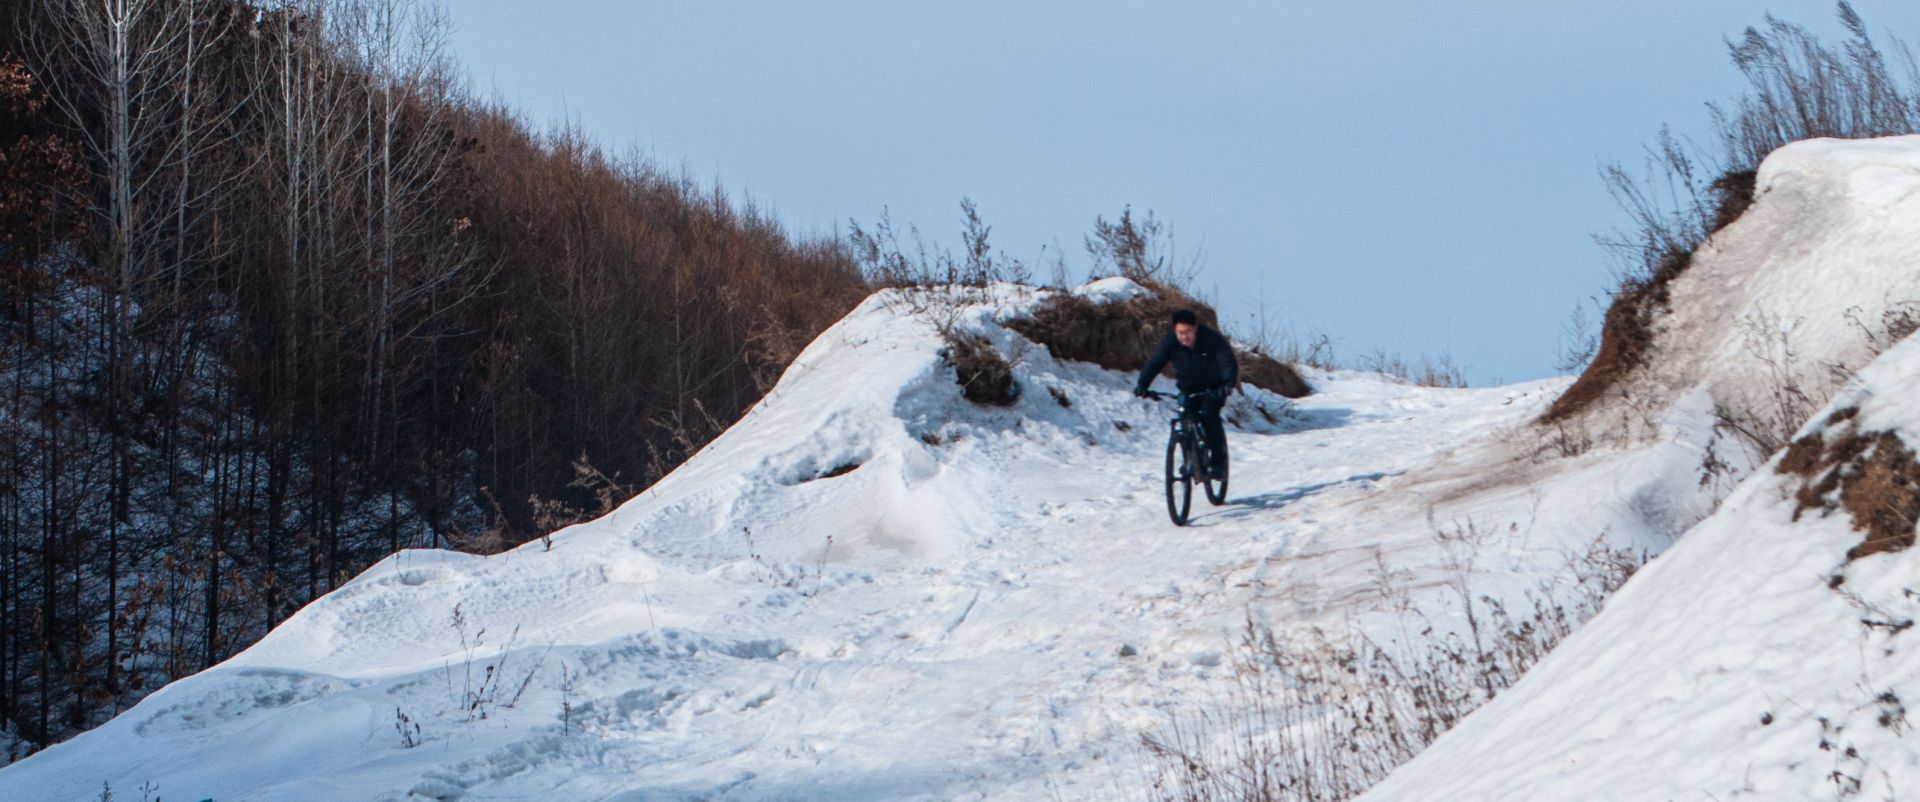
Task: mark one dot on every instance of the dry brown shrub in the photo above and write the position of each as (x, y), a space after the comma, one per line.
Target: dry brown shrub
(1121, 335)
(1627, 332)
(1884, 498)
(1625, 338)
(1871, 475)
(1735, 191)
(1626, 335)
(1273, 375)
(985, 377)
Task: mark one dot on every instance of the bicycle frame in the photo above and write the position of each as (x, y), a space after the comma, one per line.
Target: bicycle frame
(1186, 426)
(1186, 442)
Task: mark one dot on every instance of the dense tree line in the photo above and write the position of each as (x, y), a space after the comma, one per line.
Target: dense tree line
(277, 298)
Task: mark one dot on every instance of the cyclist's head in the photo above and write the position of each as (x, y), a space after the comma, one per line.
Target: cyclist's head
(1186, 327)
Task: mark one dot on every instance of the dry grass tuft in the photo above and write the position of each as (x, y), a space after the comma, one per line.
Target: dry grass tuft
(1735, 193)
(984, 375)
(1319, 717)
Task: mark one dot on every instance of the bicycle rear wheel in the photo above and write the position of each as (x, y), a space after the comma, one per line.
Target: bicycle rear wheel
(1216, 485)
(1179, 479)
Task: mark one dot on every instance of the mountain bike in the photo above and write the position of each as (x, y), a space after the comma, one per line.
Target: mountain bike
(1187, 461)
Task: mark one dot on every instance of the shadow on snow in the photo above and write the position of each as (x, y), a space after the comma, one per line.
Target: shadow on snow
(1247, 506)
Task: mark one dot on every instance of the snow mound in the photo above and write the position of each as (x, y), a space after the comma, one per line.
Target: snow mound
(1751, 661)
(1111, 289)
(1782, 305)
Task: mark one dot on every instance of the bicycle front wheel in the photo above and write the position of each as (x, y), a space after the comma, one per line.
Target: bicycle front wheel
(1216, 484)
(1179, 480)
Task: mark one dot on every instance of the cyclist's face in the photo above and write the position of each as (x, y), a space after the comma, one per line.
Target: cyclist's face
(1186, 333)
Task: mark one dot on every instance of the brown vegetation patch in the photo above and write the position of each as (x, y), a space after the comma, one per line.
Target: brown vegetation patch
(1625, 338)
(985, 377)
(1121, 335)
(39, 169)
(1871, 475)
(1273, 375)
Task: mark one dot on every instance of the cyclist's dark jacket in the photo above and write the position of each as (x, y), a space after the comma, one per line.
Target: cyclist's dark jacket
(1208, 364)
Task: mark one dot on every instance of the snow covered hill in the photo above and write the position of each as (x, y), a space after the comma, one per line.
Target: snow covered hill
(873, 589)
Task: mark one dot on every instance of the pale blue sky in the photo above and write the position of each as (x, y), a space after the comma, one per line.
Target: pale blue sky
(1411, 177)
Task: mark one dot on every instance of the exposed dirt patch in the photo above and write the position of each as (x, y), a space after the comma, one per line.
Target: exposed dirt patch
(1873, 476)
(811, 471)
(1625, 337)
(1121, 335)
(840, 470)
(1118, 335)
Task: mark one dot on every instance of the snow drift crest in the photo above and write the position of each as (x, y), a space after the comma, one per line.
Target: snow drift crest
(1781, 305)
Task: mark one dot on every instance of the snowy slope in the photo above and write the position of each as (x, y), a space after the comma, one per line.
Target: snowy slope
(870, 589)
(991, 605)
(1730, 668)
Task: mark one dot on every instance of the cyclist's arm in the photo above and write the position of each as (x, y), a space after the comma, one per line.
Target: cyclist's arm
(1159, 360)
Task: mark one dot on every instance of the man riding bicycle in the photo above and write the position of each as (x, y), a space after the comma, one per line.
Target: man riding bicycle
(1204, 370)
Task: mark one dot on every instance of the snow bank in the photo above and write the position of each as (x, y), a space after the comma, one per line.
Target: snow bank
(1751, 661)
(1111, 289)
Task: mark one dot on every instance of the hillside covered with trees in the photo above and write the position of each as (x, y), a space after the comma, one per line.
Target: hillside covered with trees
(278, 297)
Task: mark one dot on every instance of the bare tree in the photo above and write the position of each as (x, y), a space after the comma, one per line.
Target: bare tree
(420, 266)
(324, 304)
(122, 98)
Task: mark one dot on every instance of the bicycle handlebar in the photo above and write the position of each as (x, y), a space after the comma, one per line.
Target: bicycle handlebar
(1182, 396)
